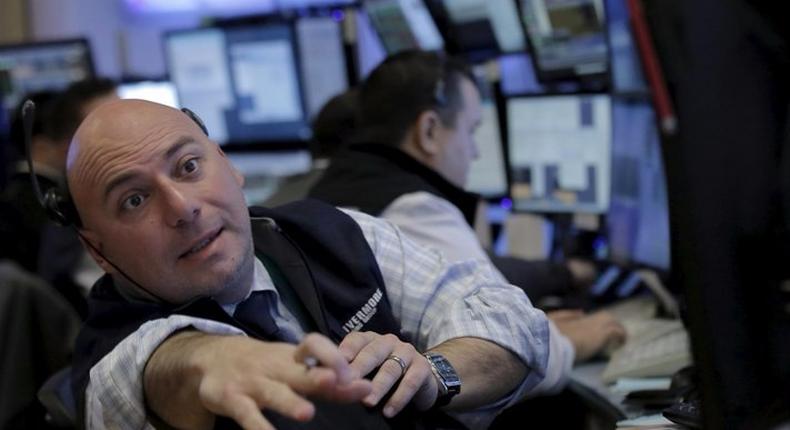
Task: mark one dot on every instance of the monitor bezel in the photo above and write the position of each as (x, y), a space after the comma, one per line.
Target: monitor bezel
(258, 145)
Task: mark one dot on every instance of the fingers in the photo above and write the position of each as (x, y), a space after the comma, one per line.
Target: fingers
(354, 343)
(246, 413)
(414, 379)
(320, 348)
(390, 372)
(244, 403)
(417, 386)
(369, 351)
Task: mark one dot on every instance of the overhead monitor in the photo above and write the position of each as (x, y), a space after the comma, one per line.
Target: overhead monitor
(162, 92)
(479, 29)
(559, 152)
(567, 38)
(638, 217)
(322, 60)
(38, 66)
(404, 24)
(488, 173)
(244, 82)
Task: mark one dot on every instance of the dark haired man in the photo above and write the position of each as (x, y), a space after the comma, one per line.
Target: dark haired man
(417, 115)
(332, 128)
(29, 238)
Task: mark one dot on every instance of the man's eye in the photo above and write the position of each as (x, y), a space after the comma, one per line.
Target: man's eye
(132, 202)
(190, 166)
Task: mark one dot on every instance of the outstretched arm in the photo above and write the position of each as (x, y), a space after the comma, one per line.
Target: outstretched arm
(192, 377)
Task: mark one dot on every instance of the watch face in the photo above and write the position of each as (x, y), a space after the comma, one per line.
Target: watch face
(445, 370)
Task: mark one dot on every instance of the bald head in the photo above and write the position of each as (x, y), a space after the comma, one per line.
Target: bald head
(160, 200)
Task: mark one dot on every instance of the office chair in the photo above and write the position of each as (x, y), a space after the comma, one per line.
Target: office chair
(58, 399)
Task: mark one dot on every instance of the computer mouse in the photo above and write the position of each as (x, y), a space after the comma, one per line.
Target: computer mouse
(684, 379)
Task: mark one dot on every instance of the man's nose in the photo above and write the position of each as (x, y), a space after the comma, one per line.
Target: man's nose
(180, 206)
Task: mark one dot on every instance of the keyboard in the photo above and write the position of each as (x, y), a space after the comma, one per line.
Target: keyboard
(655, 347)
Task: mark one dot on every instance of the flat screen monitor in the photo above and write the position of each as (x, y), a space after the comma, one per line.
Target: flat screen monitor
(162, 92)
(488, 173)
(322, 59)
(38, 66)
(567, 38)
(479, 29)
(404, 24)
(638, 218)
(626, 68)
(244, 82)
(559, 152)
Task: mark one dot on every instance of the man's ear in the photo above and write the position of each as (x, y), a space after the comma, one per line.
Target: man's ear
(93, 245)
(427, 133)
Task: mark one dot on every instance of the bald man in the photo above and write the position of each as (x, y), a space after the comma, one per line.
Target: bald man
(267, 316)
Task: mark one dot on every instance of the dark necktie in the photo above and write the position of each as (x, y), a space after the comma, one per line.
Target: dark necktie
(255, 314)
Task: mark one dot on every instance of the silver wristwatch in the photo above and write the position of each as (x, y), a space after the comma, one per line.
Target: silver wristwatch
(446, 378)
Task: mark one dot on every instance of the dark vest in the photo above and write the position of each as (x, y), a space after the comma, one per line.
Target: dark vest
(369, 177)
(325, 258)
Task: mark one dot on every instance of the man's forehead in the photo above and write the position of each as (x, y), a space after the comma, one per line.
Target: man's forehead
(104, 145)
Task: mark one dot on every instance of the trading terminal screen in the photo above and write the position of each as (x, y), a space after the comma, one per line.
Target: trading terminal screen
(559, 152)
(567, 37)
(403, 25)
(162, 92)
(479, 29)
(39, 66)
(244, 82)
(488, 173)
(638, 218)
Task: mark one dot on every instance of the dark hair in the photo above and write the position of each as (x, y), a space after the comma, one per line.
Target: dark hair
(405, 85)
(335, 124)
(66, 114)
(44, 101)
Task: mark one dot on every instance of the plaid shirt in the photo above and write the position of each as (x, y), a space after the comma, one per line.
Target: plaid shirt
(434, 301)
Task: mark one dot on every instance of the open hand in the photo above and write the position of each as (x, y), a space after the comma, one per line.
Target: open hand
(239, 377)
(590, 334)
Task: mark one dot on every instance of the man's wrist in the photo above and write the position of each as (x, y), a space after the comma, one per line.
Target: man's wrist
(447, 381)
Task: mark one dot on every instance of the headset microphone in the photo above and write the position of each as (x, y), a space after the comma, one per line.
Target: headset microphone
(59, 206)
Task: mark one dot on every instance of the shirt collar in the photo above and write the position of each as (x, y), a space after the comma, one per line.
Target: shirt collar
(261, 281)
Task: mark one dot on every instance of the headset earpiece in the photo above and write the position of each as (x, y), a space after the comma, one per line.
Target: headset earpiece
(60, 208)
(193, 116)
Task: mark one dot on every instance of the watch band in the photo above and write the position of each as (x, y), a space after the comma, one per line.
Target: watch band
(447, 380)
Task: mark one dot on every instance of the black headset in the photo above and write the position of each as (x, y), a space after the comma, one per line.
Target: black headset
(58, 204)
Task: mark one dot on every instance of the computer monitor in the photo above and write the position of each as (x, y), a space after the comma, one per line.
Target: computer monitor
(158, 91)
(322, 59)
(479, 29)
(488, 173)
(626, 69)
(559, 152)
(38, 66)
(404, 24)
(566, 38)
(637, 223)
(244, 82)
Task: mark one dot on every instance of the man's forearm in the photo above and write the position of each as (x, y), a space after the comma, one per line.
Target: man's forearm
(172, 381)
(488, 372)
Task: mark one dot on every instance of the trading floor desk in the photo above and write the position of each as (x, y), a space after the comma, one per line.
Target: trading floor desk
(655, 350)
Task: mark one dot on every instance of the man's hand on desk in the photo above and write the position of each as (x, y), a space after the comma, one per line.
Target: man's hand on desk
(589, 334)
(193, 376)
